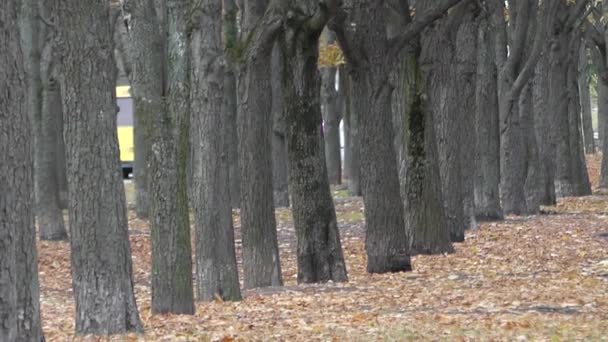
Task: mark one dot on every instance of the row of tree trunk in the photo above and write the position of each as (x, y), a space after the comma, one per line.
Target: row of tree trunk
(444, 127)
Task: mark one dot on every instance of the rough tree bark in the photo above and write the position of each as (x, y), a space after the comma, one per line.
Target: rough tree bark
(487, 147)
(258, 224)
(216, 267)
(45, 108)
(319, 250)
(417, 156)
(545, 130)
(100, 251)
(420, 182)
(370, 56)
(584, 77)
(448, 63)
(19, 292)
(563, 85)
(280, 172)
(529, 25)
(331, 120)
(230, 30)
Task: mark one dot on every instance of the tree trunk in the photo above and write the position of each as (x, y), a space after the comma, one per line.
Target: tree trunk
(354, 138)
(603, 127)
(45, 108)
(345, 101)
(100, 251)
(602, 110)
(487, 146)
(319, 249)
(581, 185)
(545, 130)
(585, 95)
(533, 186)
(280, 172)
(49, 137)
(217, 273)
(331, 124)
(142, 146)
(438, 66)
(168, 134)
(261, 262)
(420, 182)
(230, 100)
(19, 292)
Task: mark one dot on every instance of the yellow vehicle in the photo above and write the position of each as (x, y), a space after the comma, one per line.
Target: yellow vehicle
(124, 121)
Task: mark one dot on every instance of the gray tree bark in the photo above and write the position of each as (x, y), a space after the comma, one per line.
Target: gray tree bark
(371, 55)
(448, 62)
(100, 251)
(230, 30)
(584, 77)
(487, 146)
(160, 76)
(571, 177)
(217, 273)
(420, 182)
(45, 108)
(529, 26)
(319, 250)
(331, 124)
(545, 129)
(344, 93)
(19, 293)
(280, 169)
(261, 262)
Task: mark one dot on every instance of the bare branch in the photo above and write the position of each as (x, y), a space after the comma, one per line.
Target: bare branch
(420, 22)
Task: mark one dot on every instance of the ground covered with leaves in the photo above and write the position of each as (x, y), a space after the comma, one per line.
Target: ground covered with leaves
(541, 277)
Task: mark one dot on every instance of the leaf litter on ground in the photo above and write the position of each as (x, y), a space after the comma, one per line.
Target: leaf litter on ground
(542, 277)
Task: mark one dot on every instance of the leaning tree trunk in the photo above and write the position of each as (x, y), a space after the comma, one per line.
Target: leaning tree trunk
(261, 262)
(319, 250)
(487, 145)
(331, 124)
(217, 273)
(280, 169)
(585, 95)
(100, 251)
(19, 292)
(420, 182)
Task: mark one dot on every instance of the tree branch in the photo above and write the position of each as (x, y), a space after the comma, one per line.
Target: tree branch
(420, 22)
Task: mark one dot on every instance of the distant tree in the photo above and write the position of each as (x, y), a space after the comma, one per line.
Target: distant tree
(100, 251)
(19, 292)
(584, 80)
(45, 108)
(331, 118)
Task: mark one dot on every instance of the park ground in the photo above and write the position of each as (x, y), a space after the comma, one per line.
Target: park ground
(541, 277)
